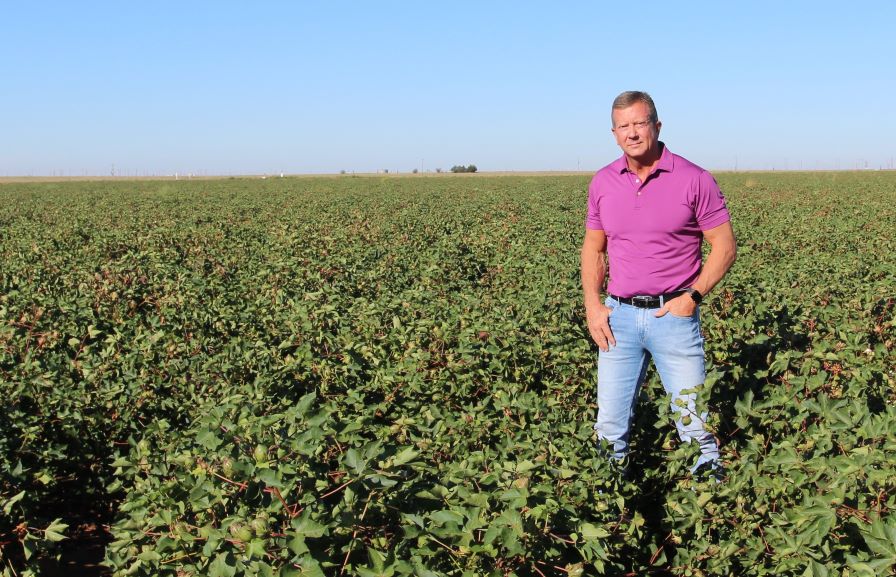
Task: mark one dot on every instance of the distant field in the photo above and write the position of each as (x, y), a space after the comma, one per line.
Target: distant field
(428, 174)
(40, 179)
(391, 376)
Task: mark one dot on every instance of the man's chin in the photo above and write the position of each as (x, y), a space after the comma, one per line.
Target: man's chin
(640, 153)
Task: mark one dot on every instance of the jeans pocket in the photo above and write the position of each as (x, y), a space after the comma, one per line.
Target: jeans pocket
(693, 317)
(612, 305)
(690, 318)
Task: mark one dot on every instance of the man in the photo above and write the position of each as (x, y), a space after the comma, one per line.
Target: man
(649, 211)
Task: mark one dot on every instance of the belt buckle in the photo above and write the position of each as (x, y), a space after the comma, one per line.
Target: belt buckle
(642, 301)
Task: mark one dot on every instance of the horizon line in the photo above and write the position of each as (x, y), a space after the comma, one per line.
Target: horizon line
(410, 174)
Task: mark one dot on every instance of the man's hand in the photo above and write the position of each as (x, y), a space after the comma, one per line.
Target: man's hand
(594, 270)
(599, 326)
(680, 306)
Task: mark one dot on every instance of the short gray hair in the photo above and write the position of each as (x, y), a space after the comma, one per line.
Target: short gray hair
(630, 97)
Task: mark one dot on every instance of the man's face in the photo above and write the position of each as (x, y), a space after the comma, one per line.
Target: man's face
(636, 135)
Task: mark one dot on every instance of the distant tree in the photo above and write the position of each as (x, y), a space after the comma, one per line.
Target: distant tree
(414, 171)
(342, 171)
(438, 170)
(462, 168)
(386, 170)
(472, 168)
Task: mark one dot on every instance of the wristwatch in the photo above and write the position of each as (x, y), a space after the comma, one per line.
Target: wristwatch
(695, 295)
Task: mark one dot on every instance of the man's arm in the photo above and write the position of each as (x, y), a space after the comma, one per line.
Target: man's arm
(722, 254)
(594, 271)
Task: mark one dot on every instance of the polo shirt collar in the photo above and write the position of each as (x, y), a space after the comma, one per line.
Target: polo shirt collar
(666, 163)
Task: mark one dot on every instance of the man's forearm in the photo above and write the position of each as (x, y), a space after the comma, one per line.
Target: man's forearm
(594, 271)
(718, 262)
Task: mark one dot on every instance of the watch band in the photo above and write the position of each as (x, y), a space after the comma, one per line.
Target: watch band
(695, 295)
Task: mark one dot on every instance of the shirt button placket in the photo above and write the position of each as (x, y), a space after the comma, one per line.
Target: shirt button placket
(635, 181)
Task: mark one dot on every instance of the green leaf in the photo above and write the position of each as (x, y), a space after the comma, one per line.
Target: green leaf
(308, 567)
(54, 531)
(208, 439)
(308, 527)
(447, 516)
(269, 477)
(221, 568)
(256, 548)
(353, 461)
(149, 555)
(590, 532)
(297, 545)
(7, 507)
(407, 455)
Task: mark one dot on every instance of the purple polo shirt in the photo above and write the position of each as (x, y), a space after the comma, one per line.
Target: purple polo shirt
(654, 229)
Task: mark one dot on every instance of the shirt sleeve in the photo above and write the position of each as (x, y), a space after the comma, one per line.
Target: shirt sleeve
(710, 208)
(592, 220)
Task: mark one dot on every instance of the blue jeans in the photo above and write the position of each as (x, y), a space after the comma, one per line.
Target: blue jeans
(676, 346)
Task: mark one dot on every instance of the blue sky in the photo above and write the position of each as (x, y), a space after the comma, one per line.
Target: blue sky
(315, 87)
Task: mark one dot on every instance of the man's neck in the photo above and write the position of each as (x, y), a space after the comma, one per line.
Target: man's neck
(644, 165)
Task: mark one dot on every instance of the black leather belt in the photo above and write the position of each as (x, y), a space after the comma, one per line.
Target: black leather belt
(647, 301)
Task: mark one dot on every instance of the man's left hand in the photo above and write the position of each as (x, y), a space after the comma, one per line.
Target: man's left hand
(680, 306)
